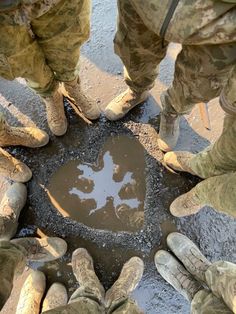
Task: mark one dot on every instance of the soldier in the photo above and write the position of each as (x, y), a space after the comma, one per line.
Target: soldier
(40, 41)
(205, 69)
(195, 274)
(89, 297)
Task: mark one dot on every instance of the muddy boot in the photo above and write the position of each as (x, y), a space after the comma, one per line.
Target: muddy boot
(123, 103)
(176, 275)
(169, 128)
(56, 118)
(83, 269)
(55, 297)
(179, 161)
(129, 217)
(129, 278)
(31, 293)
(189, 254)
(186, 204)
(86, 104)
(13, 169)
(46, 249)
(21, 136)
(11, 204)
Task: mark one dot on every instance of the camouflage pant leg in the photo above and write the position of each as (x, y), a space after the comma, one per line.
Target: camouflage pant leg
(21, 56)
(219, 192)
(90, 306)
(221, 279)
(205, 302)
(12, 260)
(200, 74)
(139, 48)
(228, 95)
(60, 34)
(82, 305)
(221, 157)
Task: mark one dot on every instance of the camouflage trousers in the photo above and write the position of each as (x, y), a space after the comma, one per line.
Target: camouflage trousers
(221, 280)
(202, 72)
(89, 305)
(12, 262)
(218, 164)
(50, 50)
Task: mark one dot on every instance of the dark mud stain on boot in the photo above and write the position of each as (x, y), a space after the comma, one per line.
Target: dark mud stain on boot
(107, 195)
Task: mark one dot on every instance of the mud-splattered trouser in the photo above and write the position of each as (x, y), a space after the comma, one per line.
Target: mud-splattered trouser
(221, 280)
(87, 303)
(204, 69)
(12, 262)
(53, 54)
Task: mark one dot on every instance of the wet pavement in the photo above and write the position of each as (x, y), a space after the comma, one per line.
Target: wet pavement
(87, 154)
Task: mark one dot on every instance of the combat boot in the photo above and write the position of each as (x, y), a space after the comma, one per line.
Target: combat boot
(179, 161)
(169, 129)
(123, 103)
(46, 249)
(176, 275)
(31, 293)
(129, 278)
(186, 204)
(13, 198)
(21, 136)
(56, 118)
(13, 169)
(189, 254)
(83, 269)
(55, 297)
(87, 105)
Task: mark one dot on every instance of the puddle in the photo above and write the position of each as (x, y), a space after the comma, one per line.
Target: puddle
(107, 195)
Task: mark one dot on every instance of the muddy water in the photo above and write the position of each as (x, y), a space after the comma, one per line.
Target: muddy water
(106, 195)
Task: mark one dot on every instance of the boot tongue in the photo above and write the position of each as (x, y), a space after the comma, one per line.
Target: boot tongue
(8, 5)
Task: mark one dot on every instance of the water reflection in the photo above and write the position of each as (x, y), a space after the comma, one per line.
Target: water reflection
(106, 195)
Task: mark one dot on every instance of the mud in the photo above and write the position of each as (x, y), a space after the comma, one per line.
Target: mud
(108, 194)
(101, 74)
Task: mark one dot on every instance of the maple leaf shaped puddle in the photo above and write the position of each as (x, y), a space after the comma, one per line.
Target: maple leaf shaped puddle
(107, 195)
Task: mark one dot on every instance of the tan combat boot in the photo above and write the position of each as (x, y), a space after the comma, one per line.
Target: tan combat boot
(179, 161)
(123, 103)
(169, 129)
(32, 293)
(83, 269)
(189, 254)
(176, 275)
(46, 249)
(186, 204)
(86, 104)
(12, 200)
(56, 118)
(21, 136)
(55, 297)
(13, 168)
(129, 278)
